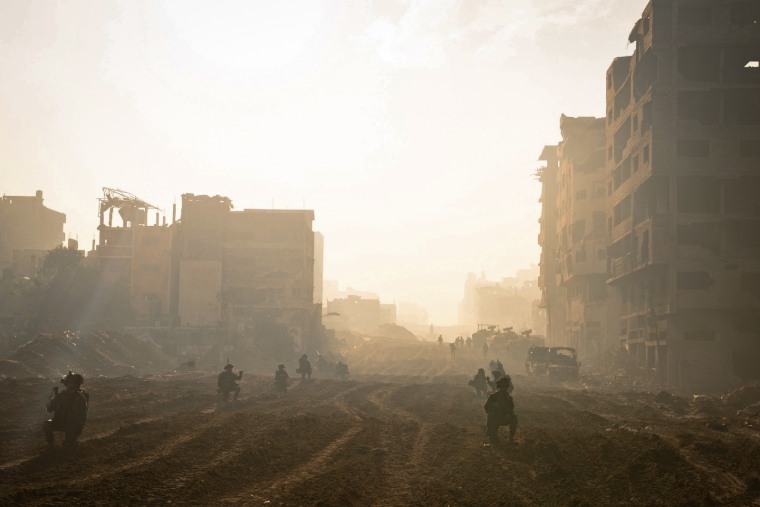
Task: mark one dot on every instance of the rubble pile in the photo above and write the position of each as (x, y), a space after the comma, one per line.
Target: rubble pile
(92, 354)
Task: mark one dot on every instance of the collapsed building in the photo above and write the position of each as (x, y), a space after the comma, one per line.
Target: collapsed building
(28, 230)
(683, 149)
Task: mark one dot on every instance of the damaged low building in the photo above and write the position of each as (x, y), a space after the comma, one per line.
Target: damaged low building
(28, 230)
(683, 151)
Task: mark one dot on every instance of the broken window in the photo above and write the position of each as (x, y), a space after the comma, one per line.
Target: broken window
(741, 196)
(700, 106)
(580, 195)
(750, 282)
(742, 107)
(746, 12)
(693, 148)
(645, 25)
(622, 210)
(742, 63)
(700, 334)
(742, 239)
(694, 14)
(598, 222)
(635, 163)
(622, 98)
(694, 280)
(579, 229)
(646, 120)
(705, 235)
(698, 195)
(749, 148)
(644, 257)
(699, 62)
(621, 140)
(645, 73)
(645, 154)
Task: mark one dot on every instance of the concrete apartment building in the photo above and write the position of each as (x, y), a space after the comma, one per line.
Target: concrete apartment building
(581, 247)
(683, 154)
(28, 229)
(235, 268)
(552, 293)
(135, 254)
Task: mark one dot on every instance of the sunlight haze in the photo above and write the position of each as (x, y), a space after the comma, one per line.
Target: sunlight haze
(411, 128)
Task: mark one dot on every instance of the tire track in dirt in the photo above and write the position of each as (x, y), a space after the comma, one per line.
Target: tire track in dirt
(316, 466)
(405, 466)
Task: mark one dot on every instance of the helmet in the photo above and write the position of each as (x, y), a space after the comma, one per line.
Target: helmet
(228, 366)
(502, 382)
(481, 370)
(73, 377)
(281, 367)
(304, 356)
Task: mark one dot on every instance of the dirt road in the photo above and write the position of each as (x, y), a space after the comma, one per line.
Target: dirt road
(376, 440)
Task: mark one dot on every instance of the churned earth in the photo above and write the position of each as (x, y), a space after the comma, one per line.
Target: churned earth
(383, 437)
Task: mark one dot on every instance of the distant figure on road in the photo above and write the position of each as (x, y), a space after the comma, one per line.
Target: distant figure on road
(440, 339)
(69, 410)
(341, 370)
(468, 342)
(304, 367)
(480, 382)
(281, 379)
(500, 408)
(453, 348)
(227, 383)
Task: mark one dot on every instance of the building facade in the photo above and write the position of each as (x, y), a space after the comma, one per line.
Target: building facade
(580, 229)
(28, 230)
(682, 158)
(236, 269)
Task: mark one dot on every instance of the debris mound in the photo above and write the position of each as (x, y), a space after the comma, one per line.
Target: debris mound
(92, 354)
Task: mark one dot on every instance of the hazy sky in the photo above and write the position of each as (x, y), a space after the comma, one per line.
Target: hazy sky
(412, 128)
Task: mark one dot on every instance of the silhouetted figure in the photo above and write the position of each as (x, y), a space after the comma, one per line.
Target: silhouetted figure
(480, 382)
(341, 370)
(227, 383)
(468, 342)
(485, 349)
(281, 379)
(453, 348)
(69, 409)
(500, 408)
(304, 367)
(497, 366)
(440, 339)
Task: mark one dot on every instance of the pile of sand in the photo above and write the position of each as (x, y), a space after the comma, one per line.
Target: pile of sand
(92, 354)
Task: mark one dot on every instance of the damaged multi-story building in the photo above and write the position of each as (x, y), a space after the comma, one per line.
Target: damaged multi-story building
(135, 254)
(574, 256)
(683, 161)
(236, 269)
(28, 229)
(552, 293)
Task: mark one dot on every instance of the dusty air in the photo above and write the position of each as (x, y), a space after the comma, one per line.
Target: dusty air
(386, 253)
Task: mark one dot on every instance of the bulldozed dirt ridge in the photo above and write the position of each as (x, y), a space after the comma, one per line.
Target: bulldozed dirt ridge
(375, 441)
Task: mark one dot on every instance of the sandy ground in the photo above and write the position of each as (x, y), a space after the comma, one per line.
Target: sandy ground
(383, 437)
